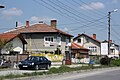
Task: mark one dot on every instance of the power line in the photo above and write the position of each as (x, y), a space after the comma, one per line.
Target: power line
(75, 14)
(60, 11)
(70, 11)
(96, 11)
(52, 9)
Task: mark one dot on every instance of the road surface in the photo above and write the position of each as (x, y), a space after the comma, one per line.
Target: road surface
(97, 74)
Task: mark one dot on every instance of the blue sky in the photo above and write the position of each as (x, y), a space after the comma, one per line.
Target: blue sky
(73, 16)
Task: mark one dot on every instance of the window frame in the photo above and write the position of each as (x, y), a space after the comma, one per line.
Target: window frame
(93, 48)
(49, 39)
(79, 40)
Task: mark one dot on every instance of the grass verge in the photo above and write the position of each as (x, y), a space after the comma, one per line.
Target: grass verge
(53, 70)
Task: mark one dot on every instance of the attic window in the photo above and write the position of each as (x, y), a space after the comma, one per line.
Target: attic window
(79, 40)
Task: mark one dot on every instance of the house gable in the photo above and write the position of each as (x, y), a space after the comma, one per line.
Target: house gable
(88, 42)
(16, 40)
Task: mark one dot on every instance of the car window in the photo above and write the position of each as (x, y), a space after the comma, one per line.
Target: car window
(33, 58)
(45, 59)
(40, 59)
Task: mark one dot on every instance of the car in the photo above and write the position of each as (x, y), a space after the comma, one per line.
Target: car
(35, 62)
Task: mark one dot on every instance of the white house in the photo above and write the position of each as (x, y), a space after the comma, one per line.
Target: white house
(13, 43)
(114, 49)
(89, 42)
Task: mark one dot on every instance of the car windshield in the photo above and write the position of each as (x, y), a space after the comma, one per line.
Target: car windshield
(32, 58)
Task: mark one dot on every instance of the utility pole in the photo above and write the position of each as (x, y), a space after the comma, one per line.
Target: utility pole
(109, 19)
(109, 32)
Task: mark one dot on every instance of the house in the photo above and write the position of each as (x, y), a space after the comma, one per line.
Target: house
(16, 43)
(114, 49)
(78, 53)
(12, 47)
(90, 43)
(43, 38)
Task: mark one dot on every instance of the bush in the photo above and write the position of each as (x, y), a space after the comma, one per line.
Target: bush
(53, 70)
(65, 69)
(116, 62)
(105, 61)
(58, 51)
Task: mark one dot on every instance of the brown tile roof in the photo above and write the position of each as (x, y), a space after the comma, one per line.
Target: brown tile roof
(38, 28)
(10, 36)
(76, 46)
(88, 36)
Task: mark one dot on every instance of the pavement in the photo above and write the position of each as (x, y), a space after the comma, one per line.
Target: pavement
(58, 64)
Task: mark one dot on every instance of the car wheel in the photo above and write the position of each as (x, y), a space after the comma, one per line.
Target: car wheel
(21, 68)
(48, 66)
(36, 67)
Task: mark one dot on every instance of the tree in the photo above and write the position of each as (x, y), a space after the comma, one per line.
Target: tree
(4, 44)
(58, 51)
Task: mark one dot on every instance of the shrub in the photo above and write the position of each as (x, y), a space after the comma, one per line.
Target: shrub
(58, 51)
(65, 69)
(105, 61)
(116, 62)
(53, 70)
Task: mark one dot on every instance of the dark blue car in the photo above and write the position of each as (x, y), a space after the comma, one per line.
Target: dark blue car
(35, 62)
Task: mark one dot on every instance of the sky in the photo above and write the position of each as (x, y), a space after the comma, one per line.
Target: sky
(73, 16)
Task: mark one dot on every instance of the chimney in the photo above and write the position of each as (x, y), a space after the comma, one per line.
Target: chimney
(110, 41)
(94, 36)
(16, 24)
(27, 23)
(78, 34)
(53, 23)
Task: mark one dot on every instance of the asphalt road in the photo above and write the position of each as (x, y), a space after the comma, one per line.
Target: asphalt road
(97, 74)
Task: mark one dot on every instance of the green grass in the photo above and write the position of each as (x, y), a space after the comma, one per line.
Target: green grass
(53, 70)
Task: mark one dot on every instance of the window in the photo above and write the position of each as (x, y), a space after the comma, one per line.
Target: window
(93, 48)
(59, 40)
(112, 50)
(67, 41)
(49, 38)
(79, 40)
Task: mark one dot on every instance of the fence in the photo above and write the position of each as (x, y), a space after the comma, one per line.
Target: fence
(52, 57)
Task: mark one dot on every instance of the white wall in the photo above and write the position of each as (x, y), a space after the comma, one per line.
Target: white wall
(17, 45)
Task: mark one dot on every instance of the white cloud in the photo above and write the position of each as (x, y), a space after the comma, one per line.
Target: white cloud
(114, 1)
(92, 6)
(38, 19)
(12, 12)
(66, 30)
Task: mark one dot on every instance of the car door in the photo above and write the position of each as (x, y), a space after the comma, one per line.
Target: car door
(41, 62)
(45, 61)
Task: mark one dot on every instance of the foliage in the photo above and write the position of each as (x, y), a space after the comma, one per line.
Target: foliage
(4, 44)
(115, 62)
(58, 51)
(8, 46)
(105, 61)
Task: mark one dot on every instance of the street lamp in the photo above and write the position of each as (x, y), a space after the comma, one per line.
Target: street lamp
(2, 6)
(109, 15)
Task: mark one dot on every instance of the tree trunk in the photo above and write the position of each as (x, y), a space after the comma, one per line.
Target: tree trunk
(0, 51)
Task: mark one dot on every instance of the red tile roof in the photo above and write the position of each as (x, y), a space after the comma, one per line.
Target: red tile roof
(9, 36)
(38, 28)
(76, 46)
